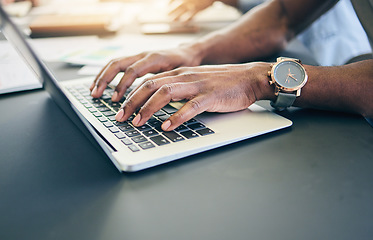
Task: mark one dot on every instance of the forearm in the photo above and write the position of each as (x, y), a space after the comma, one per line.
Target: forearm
(257, 34)
(345, 88)
(261, 32)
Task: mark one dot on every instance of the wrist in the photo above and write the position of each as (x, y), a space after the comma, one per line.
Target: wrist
(264, 90)
(194, 51)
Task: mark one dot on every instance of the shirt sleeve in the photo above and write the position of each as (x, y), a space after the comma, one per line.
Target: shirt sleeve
(246, 5)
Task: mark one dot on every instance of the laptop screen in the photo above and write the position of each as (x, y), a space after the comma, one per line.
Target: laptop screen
(50, 84)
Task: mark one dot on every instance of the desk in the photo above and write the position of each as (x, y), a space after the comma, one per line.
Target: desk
(55, 185)
(317, 183)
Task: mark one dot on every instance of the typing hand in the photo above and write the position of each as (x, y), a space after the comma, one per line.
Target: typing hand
(139, 65)
(187, 9)
(223, 88)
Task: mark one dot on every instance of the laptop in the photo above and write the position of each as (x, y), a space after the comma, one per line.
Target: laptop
(130, 148)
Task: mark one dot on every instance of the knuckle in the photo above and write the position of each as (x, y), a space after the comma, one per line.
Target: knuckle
(128, 103)
(115, 63)
(178, 117)
(188, 75)
(167, 89)
(181, 71)
(131, 71)
(150, 84)
(194, 104)
(155, 55)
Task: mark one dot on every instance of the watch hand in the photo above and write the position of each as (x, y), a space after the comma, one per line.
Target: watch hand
(292, 76)
(287, 79)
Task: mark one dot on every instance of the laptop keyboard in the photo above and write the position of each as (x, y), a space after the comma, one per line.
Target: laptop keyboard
(149, 135)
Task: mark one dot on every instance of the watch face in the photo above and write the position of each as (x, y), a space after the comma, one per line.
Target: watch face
(289, 75)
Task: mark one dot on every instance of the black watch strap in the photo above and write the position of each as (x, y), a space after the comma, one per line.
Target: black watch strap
(283, 100)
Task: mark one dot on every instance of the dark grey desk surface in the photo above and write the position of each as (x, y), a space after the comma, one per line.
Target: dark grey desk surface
(312, 181)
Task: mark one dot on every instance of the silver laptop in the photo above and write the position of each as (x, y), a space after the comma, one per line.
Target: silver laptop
(135, 148)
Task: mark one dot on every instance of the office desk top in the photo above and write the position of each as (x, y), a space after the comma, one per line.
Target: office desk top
(311, 181)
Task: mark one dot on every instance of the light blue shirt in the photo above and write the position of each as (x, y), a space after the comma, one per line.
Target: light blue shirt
(337, 36)
(333, 39)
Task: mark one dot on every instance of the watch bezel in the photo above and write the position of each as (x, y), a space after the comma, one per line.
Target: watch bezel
(287, 89)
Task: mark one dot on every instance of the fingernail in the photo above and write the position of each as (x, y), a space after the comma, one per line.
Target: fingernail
(166, 125)
(119, 115)
(94, 91)
(136, 120)
(115, 96)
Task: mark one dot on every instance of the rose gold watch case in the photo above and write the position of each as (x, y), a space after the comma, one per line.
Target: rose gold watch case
(286, 89)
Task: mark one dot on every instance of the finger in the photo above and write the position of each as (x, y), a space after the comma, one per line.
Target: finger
(166, 93)
(190, 109)
(153, 63)
(190, 71)
(190, 15)
(135, 101)
(97, 77)
(178, 12)
(166, 77)
(108, 73)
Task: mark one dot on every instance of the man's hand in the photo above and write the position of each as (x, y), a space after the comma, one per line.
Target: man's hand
(139, 65)
(216, 88)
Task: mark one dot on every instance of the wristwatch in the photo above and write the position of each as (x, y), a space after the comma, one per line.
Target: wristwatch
(289, 76)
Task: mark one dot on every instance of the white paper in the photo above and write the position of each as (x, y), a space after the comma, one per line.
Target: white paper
(15, 75)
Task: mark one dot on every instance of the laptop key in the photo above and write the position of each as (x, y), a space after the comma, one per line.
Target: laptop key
(103, 109)
(144, 127)
(205, 131)
(121, 124)
(139, 139)
(181, 128)
(196, 126)
(169, 109)
(108, 124)
(146, 145)
(159, 113)
(114, 129)
(108, 113)
(190, 121)
(125, 128)
(120, 135)
(189, 134)
(159, 140)
(133, 148)
(150, 133)
(112, 118)
(102, 119)
(173, 136)
(164, 117)
(126, 141)
(132, 133)
(97, 114)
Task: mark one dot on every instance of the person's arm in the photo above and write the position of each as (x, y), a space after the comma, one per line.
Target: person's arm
(223, 88)
(259, 33)
(346, 88)
(265, 30)
(227, 88)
